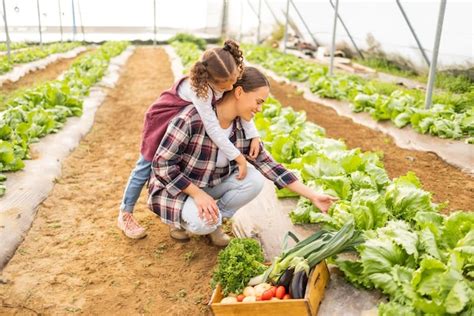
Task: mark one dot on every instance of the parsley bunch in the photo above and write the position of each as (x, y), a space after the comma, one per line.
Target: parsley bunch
(240, 261)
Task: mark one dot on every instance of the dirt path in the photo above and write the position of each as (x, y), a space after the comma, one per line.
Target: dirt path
(446, 182)
(51, 72)
(74, 259)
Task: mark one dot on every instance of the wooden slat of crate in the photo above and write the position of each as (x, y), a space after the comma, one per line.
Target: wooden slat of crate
(316, 287)
(263, 308)
(295, 307)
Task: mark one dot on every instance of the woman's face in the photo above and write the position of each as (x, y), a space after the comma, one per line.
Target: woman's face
(250, 103)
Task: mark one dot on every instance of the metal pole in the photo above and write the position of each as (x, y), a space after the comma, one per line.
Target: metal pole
(60, 20)
(434, 57)
(154, 22)
(224, 19)
(259, 20)
(273, 13)
(6, 30)
(285, 39)
(333, 45)
(241, 19)
(304, 23)
(73, 22)
(39, 22)
(257, 14)
(253, 9)
(413, 33)
(348, 34)
(80, 20)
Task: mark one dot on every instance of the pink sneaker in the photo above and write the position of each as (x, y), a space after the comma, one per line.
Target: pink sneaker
(130, 227)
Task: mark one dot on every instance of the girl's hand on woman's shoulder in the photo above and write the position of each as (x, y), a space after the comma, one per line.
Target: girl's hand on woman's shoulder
(254, 148)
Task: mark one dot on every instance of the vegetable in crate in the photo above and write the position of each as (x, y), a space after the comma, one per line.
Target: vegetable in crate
(237, 263)
(291, 268)
(319, 246)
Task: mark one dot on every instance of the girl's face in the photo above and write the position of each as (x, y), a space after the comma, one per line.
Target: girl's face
(250, 103)
(225, 84)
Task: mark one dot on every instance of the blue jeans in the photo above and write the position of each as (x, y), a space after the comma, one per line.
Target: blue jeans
(137, 180)
(232, 194)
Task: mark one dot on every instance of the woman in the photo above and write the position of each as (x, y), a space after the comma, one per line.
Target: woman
(193, 186)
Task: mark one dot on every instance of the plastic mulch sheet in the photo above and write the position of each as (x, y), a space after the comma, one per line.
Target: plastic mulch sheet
(21, 70)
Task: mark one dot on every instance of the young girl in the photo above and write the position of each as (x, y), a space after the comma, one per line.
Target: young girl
(215, 73)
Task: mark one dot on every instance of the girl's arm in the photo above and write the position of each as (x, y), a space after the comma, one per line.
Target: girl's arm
(250, 129)
(213, 129)
(209, 118)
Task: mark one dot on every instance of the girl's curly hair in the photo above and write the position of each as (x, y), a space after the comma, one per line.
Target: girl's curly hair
(216, 64)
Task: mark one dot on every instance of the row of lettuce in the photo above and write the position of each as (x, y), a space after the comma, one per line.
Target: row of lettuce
(188, 53)
(422, 259)
(33, 53)
(36, 112)
(13, 46)
(451, 115)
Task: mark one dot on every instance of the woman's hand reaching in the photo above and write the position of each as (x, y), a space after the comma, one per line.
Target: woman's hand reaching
(323, 201)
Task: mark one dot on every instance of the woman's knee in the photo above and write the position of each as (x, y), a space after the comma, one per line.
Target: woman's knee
(193, 223)
(256, 180)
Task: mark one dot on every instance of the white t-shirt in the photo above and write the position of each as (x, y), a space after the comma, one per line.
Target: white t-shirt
(209, 118)
(222, 160)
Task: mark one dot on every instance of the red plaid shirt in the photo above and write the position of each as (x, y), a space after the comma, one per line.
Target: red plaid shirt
(187, 155)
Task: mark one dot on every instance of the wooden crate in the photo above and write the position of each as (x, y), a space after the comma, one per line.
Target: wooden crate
(308, 306)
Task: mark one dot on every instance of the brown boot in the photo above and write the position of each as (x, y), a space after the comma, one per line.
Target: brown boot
(179, 234)
(219, 238)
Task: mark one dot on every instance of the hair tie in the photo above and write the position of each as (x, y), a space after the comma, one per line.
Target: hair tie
(204, 63)
(227, 47)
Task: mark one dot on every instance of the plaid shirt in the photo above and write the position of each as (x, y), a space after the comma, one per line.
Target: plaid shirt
(187, 155)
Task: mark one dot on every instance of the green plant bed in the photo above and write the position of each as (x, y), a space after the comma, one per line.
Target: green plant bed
(189, 38)
(385, 65)
(33, 53)
(422, 260)
(13, 46)
(451, 115)
(189, 53)
(33, 113)
(460, 83)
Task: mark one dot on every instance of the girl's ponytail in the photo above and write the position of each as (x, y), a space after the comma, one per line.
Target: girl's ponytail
(199, 78)
(233, 48)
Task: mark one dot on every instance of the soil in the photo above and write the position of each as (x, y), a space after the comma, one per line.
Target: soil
(447, 183)
(74, 258)
(51, 72)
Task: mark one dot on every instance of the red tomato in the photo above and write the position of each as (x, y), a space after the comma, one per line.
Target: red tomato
(280, 292)
(273, 289)
(286, 297)
(267, 295)
(240, 297)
